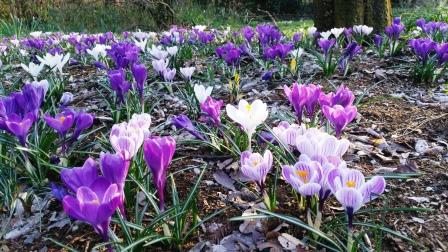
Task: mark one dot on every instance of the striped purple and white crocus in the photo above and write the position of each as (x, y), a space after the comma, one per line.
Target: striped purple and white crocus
(256, 167)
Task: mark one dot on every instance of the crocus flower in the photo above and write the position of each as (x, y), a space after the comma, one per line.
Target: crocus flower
(158, 153)
(99, 51)
(256, 167)
(94, 205)
(325, 35)
(288, 133)
(378, 40)
(362, 30)
(304, 177)
(115, 170)
(212, 109)
(442, 53)
(126, 139)
(351, 50)
(140, 74)
(339, 117)
(124, 54)
(267, 75)
(158, 53)
(311, 31)
(141, 121)
(301, 96)
(249, 116)
(160, 66)
(33, 69)
(337, 32)
(55, 62)
(118, 83)
(66, 99)
(229, 53)
(83, 121)
(172, 50)
(201, 92)
(187, 72)
(76, 177)
(326, 45)
(394, 31)
(58, 191)
(343, 97)
(183, 122)
(320, 145)
(62, 122)
(19, 126)
(351, 190)
(297, 37)
(248, 33)
(169, 74)
(422, 48)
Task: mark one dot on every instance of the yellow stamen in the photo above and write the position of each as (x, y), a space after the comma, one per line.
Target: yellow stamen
(96, 202)
(255, 162)
(350, 183)
(62, 119)
(248, 107)
(303, 175)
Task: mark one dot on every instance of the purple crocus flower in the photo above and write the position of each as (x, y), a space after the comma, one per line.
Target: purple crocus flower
(83, 121)
(326, 45)
(31, 98)
(212, 109)
(58, 191)
(115, 170)
(313, 94)
(19, 126)
(62, 122)
(297, 96)
(343, 97)
(442, 53)
(397, 20)
(229, 53)
(297, 37)
(256, 167)
(351, 50)
(95, 205)
(348, 33)
(248, 33)
(183, 122)
(267, 75)
(76, 177)
(158, 153)
(422, 48)
(339, 117)
(268, 34)
(394, 31)
(378, 40)
(124, 54)
(420, 22)
(140, 74)
(351, 190)
(118, 83)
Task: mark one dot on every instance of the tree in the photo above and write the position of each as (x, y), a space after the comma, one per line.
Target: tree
(345, 13)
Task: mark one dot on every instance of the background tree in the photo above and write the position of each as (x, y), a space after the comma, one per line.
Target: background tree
(344, 13)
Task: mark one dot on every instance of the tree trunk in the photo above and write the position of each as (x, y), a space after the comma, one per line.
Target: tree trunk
(346, 13)
(323, 14)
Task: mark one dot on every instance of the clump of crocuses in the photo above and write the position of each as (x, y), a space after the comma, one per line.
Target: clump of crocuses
(20, 110)
(337, 107)
(431, 59)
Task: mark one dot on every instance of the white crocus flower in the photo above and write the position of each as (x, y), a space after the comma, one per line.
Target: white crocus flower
(98, 51)
(296, 53)
(187, 72)
(311, 31)
(362, 29)
(158, 53)
(33, 69)
(35, 34)
(249, 116)
(54, 62)
(337, 32)
(199, 27)
(202, 93)
(172, 50)
(141, 44)
(142, 121)
(325, 35)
